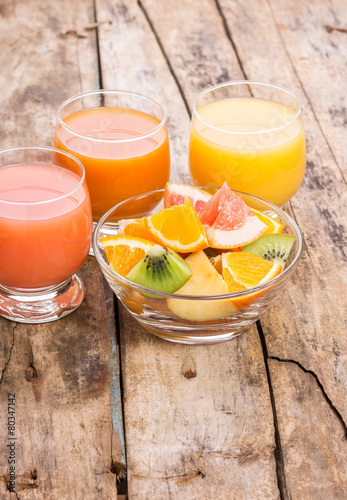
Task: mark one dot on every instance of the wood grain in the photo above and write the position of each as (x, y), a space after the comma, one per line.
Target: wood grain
(198, 420)
(314, 334)
(307, 325)
(313, 439)
(131, 59)
(68, 445)
(262, 416)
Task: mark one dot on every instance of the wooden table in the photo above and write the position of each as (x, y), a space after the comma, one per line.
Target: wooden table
(103, 407)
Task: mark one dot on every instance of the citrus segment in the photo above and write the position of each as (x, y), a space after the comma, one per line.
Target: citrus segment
(178, 228)
(228, 221)
(205, 280)
(123, 252)
(242, 270)
(273, 226)
(175, 195)
(136, 228)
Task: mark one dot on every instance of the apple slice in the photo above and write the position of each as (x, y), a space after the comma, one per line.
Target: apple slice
(205, 280)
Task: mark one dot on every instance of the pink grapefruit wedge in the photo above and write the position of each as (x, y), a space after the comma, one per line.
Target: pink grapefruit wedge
(228, 221)
(175, 195)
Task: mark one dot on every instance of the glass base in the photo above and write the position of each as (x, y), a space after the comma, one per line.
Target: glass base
(44, 306)
(196, 337)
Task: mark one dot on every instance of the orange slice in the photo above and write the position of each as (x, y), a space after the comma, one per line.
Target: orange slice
(241, 273)
(273, 226)
(123, 252)
(136, 228)
(243, 270)
(178, 228)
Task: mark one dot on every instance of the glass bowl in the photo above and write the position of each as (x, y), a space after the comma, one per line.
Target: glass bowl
(216, 318)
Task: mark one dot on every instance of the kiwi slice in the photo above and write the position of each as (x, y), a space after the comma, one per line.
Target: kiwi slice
(273, 247)
(161, 269)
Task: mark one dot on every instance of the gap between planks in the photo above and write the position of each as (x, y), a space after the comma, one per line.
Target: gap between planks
(120, 470)
(303, 88)
(278, 452)
(167, 60)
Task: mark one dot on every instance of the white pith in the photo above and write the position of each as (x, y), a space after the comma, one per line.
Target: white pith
(274, 270)
(252, 229)
(194, 193)
(173, 243)
(125, 222)
(129, 241)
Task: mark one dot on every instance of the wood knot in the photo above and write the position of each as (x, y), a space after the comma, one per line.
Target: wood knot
(31, 373)
(190, 374)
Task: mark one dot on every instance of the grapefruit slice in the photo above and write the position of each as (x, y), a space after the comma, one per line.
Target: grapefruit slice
(228, 221)
(175, 194)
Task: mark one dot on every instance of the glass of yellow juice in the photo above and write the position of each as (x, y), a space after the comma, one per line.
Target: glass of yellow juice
(250, 135)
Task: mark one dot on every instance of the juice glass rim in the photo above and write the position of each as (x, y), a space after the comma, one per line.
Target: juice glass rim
(102, 91)
(233, 295)
(52, 150)
(247, 82)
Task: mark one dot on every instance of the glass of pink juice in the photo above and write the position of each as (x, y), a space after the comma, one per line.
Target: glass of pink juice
(121, 139)
(45, 233)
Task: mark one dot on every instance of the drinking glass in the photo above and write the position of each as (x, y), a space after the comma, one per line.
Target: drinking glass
(120, 137)
(45, 233)
(250, 135)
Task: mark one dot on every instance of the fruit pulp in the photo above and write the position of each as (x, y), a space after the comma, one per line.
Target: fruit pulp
(42, 244)
(121, 163)
(252, 144)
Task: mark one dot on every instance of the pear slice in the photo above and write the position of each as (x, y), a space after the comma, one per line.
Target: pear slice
(205, 280)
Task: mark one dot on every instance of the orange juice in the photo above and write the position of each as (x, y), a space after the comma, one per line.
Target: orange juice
(45, 225)
(256, 145)
(124, 152)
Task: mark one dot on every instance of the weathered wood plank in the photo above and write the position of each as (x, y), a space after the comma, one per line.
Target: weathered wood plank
(212, 435)
(313, 439)
(67, 443)
(311, 33)
(131, 59)
(198, 419)
(59, 374)
(314, 335)
(308, 324)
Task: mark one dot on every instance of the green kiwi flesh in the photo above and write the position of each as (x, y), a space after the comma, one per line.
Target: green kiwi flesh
(273, 247)
(161, 269)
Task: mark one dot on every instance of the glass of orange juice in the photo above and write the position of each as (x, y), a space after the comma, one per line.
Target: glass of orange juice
(250, 135)
(121, 139)
(45, 233)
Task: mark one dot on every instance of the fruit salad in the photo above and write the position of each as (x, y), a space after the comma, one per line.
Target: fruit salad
(200, 245)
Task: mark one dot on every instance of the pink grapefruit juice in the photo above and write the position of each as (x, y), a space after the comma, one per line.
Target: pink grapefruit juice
(124, 152)
(45, 225)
